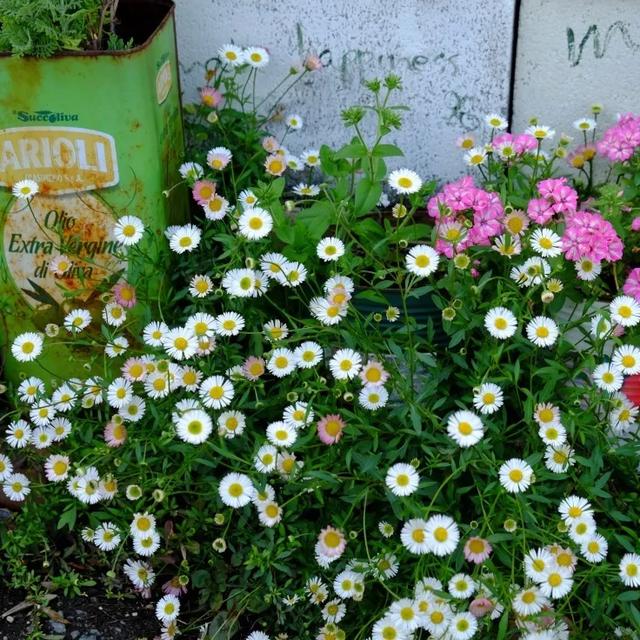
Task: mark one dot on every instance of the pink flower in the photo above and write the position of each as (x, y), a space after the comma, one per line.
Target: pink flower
(589, 235)
(620, 141)
(632, 284)
(115, 435)
(312, 62)
(635, 224)
(524, 142)
(330, 428)
(210, 97)
(203, 191)
(373, 373)
(253, 368)
(477, 550)
(480, 607)
(539, 210)
(173, 587)
(125, 294)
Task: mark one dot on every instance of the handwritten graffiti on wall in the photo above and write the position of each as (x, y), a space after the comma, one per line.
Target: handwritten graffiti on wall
(600, 42)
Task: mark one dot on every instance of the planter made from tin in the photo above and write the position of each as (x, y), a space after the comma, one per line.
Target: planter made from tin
(101, 134)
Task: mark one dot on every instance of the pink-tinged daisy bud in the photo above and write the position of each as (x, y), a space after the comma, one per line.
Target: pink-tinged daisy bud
(210, 97)
(312, 62)
(477, 550)
(481, 607)
(330, 428)
(331, 542)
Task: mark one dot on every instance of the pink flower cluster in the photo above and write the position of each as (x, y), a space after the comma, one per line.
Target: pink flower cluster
(556, 197)
(620, 141)
(521, 143)
(452, 206)
(632, 284)
(589, 235)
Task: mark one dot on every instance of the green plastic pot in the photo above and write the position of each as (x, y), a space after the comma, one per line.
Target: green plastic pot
(101, 133)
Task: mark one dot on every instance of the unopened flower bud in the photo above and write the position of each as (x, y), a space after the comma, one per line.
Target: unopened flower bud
(547, 297)
(347, 396)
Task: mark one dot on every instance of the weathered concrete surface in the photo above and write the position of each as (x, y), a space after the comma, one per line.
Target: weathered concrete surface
(453, 55)
(574, 53)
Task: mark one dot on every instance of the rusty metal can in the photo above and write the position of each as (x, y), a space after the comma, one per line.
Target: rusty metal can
(101, 134)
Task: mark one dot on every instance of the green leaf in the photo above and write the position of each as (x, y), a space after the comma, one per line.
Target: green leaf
(68, 518)
(316, 219)
(353, 150)
(367, 195)
(386, 151)
(628, 596)
(502, 627)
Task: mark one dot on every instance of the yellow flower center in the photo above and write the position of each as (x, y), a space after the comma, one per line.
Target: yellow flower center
(441, 534)
(333, 428)
(405, 182)
(542, 332)
(402, 479)
(236, 489)
(332, 539)
(465, 428)
(216, 392)
(500, 323)
(554, 579)
(418, 535)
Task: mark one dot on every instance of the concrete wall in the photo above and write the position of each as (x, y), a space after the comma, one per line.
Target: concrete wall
(572, 53)
(453, 55)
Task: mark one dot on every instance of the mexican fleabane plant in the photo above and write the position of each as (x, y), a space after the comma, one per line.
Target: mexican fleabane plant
(367, 407)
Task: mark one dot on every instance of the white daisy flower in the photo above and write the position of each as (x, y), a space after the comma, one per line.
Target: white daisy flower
(373, 397)
(462, 626)
(298, 415)
(422, 260)
(608, 377)
(345, 364)
(42, 413)
(461, 586)
(236, 490)
(437, 618)
(281, 434)
(146, 545)
(282, 362)
(553, 434)
(515, 475)
(405, 614)
(42, 437)
(191, 171)
(167, 608)
(119, 393)
(185, 238)
(231, 54)
(216, 207)
(540, 132)
(216, 392)
(625, 310)
(270, 514)
(293, 274)
(256, 57)
(475, 156)
(25, 189)
(231, 424)
(294, 121)
(247, 199)
(311, 157)
(275, 330)
(328, 313)
(6, 467)
(546, 414)
(239, 283)
(529, 601)
(574, 508)
(629, 570)
(558, 458)
(16, 487)
(27, 346)
(200, 286)
(556, 583)
(30, 389)
(128, 230)
(194, 426)
(229, 323)
(465, 427)
(442, 535)
(345, 582)
(500, 323)
(18, 434)
(537, 562)
(77, 320)
(404, 181)
(106, 536)
(265, 458)
(180, 343)
(402, 479)
(139, 572)
(488, 398)
(584, 124)
(154, 333)
(330, 249)
(306, 190)
(496, 121)
(582, 529)
(414, 536)
(307, 355)
(627, 359)
(218, 158)
(255, 223)
(587, 269)
(142, 524)
(546, 242)
(594, 548)
(542, 331)
(386, 628)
